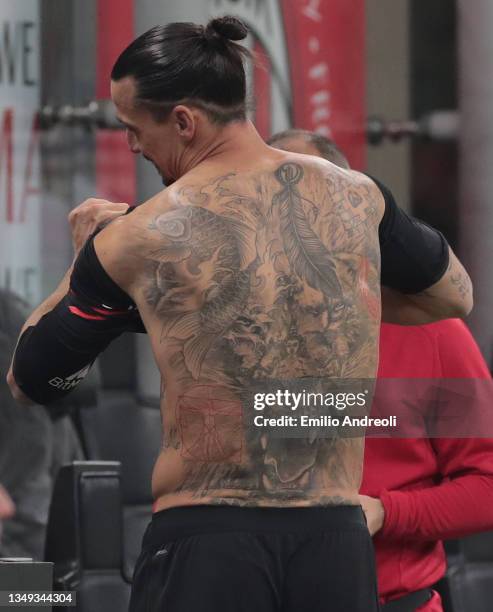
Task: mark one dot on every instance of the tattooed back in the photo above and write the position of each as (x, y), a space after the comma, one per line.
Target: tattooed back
(254, 278)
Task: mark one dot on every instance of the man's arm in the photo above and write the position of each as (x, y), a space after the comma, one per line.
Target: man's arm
(456, 508)
(450, 297)
(57, 333)
(44, 308)
(422, 279)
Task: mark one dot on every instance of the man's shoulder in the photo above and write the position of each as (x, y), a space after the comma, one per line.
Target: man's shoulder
(343, 178)
(348, 180)
(129, 229)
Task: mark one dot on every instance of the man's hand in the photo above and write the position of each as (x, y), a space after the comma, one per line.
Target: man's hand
(88, 216)
(374, 512)
(7, 507)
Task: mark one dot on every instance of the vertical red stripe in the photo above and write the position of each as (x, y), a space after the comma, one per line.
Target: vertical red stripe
(115, 31)
(7, 149)
(327, 56)
(115, 165)
(262, 89)
(30, 189)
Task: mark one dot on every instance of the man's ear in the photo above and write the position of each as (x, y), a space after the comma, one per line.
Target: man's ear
(185, 121)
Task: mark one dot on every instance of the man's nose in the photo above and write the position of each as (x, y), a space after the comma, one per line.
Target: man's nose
(133, 143)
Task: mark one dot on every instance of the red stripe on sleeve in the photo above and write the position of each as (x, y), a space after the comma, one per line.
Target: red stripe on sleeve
(79, 313)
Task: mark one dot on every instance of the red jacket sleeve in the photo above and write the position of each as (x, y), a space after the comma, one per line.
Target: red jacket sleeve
(463, 502)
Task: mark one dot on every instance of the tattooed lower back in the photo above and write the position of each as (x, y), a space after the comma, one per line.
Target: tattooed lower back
(255, 280)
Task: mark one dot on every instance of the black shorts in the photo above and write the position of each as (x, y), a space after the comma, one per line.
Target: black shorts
(229, 559)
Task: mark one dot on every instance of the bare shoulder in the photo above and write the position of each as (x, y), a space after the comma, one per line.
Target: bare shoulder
(358, 188)
(369, 186)
(355, 188)
(122, 244)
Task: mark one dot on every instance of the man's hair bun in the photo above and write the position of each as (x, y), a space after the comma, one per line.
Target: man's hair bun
(227, 27)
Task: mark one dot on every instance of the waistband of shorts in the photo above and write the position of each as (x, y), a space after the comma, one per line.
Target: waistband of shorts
(185, 521)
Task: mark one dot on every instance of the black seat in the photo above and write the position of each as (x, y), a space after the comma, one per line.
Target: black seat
(84, 537)
(468, 583)
(116, 428)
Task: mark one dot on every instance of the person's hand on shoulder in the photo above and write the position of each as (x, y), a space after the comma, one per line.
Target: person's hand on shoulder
(87, 217)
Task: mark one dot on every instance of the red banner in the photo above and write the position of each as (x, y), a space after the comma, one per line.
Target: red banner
(262, 72)
(327, 61)
(115, 165)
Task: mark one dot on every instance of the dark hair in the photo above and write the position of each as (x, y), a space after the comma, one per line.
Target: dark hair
(189, 63)
(325, 146)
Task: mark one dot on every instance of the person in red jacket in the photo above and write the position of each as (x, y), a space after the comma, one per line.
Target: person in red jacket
(417, 492)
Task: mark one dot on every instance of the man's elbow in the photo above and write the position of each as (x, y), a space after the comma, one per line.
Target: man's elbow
(466, 308)
(11, 383)
(452, 295)
(19, 396)
(458, 287)
(463, 304)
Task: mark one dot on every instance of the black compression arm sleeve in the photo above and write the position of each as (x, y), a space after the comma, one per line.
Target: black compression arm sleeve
(54, 355)
(414, 255)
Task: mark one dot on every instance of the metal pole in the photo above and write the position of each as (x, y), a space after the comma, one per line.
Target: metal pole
(476, 160)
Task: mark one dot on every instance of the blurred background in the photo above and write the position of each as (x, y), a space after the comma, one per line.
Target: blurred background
(387, 80)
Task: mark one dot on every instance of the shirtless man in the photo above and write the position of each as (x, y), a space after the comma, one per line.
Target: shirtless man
(243, 271)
